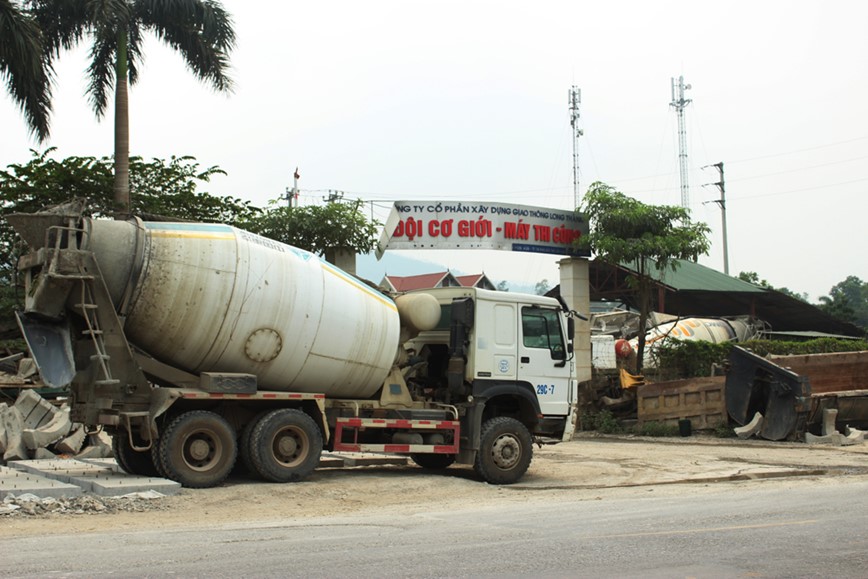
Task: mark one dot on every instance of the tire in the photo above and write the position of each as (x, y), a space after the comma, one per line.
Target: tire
(433, 461)
(157, 458)
(198, 449)
(244, 444)
(505, 451)
(285, 445)
(130, 460)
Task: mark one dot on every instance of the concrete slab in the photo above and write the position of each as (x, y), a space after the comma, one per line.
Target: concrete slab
(115, 484)
(17, 482)
(330, 461)
(98, 477)
(370, 459)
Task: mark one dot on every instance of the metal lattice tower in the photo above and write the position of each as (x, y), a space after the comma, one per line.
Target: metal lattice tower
(679, 102)
(575, 101)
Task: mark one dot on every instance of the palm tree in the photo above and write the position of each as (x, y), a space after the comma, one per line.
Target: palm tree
(200, 30)
(27, 75)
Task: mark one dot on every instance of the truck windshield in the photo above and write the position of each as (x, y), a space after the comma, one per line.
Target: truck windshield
(541, 328)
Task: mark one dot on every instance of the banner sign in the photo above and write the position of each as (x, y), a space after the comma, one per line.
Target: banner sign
(459, 225)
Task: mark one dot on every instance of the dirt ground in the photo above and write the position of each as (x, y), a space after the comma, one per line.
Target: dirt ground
(592, 467)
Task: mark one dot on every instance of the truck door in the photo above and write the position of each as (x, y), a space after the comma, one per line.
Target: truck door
(543, 358)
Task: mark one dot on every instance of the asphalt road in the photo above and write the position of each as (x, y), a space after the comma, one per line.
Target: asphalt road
(802, 528)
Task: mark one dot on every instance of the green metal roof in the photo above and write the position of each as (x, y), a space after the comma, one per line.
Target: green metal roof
(690, 276)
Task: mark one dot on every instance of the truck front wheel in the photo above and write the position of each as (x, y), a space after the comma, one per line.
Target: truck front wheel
(505, 451)
(285, 445)
(198, 449)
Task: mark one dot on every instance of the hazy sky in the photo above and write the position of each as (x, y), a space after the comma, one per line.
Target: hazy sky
(467, 100)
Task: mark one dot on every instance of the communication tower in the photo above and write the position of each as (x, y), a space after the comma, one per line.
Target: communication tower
(575, 101)
(679, 102)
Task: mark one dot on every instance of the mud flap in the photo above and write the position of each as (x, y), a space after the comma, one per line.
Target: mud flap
(49, 344)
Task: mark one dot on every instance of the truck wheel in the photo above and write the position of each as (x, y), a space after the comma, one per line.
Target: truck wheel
(244, 445)
(433, 461)
(505, 451)
(285, 445)
(132, 461)
(198, 449)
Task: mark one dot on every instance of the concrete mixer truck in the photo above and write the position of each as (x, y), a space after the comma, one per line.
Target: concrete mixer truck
(197, 344)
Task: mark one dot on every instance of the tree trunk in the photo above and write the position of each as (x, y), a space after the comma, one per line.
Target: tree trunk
(122, 133)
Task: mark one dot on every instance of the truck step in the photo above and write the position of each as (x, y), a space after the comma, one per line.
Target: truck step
(111, 382)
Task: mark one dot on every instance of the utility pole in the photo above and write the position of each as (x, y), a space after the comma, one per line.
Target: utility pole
(334, 196)
(679, 102)
(292, 194)
(721, 185)
(575, 99)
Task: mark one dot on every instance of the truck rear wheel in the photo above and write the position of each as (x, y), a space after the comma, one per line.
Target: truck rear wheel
(244, 445)
(505, 451)
(433, 461)
(285, 445)
(198, 449)
(130, 460)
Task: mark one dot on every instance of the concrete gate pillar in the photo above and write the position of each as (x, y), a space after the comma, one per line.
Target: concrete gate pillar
(576, 291)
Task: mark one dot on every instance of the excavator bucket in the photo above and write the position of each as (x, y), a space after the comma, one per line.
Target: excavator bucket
(754, 384)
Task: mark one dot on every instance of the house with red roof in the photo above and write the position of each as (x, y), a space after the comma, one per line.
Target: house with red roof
(407, 283)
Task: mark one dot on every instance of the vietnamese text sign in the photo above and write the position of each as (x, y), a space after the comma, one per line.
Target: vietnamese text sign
(460, 225)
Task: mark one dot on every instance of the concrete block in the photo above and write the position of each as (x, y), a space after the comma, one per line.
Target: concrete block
(750, 428)
(4, 408)
(327, 461)
(99, 445)
(27, 367)
(48, 433)
(17, 482)
(12, 424)
(829, 417)
(72, 444)
(42, 454)
(371, 460)
(834, 439)
(857, 436)
(34, 409)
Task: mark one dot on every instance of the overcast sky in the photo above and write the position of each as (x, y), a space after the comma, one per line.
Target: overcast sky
(467, 100)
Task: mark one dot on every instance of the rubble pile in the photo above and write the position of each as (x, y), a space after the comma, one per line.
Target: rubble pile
(33, 428)
(28, 505)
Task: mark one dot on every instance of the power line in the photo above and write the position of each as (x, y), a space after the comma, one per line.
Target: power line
(793, 152)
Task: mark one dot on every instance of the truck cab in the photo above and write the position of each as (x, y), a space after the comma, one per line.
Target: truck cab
(498, 354)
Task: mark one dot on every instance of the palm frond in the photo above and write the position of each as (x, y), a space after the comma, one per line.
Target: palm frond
(100, 72)
(63, 23)
(200, 30)
(27, 73)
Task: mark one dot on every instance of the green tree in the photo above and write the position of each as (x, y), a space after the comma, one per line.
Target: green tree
(200, 30)
(317, 228)
(645, 237)
(503, 286)
(753, 277)
(22, 66)
(541, 287)
(163, 188)
(848, 301)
